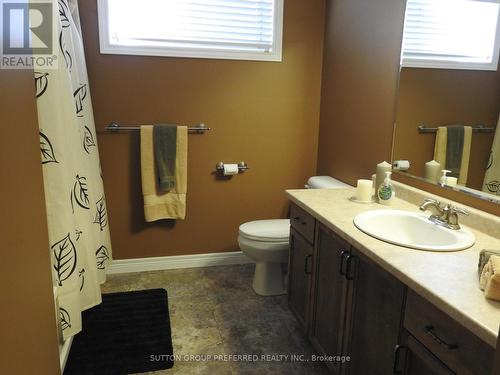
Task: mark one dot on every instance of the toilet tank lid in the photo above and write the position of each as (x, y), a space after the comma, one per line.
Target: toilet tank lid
(325, 182)
(274, 230)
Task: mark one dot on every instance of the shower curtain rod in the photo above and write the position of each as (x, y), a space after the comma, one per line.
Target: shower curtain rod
(115, 127)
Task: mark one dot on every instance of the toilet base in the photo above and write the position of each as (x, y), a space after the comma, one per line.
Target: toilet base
(268, 279)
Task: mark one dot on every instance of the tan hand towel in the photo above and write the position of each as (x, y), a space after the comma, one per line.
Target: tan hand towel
(484, 257)
(464, 165)
(490, 278)
(440, 146)
(157, 204)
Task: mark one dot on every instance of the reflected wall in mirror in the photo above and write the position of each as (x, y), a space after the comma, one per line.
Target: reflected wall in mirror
(444, 96)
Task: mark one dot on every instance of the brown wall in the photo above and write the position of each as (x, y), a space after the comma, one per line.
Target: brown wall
(264, 113)
(360, 74)
(440, 97)
(28, 335)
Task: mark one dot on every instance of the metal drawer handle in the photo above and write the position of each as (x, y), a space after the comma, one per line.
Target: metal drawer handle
(349, 273)
(342, 261)
(297, 218)
(306, 264)
(429, 330)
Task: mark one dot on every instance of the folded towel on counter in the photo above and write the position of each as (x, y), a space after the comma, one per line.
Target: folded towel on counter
(165, 150)
(490, 278)
(484, 257)
(452, 150)
(157, 203)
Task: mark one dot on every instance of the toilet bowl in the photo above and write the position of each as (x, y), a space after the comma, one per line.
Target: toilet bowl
(267, 243)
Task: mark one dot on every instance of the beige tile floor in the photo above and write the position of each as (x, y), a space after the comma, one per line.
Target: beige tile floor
(215, 312)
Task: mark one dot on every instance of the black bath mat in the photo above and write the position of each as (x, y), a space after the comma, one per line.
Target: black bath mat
(127, 333)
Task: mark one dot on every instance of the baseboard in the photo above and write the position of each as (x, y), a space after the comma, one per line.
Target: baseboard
(177, 261)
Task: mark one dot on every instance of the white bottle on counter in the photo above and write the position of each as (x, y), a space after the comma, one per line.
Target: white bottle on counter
(444, 178)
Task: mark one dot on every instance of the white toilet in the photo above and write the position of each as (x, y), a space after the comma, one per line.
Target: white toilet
(266, 242)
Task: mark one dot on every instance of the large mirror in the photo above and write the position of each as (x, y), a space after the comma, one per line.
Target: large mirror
(449, 95)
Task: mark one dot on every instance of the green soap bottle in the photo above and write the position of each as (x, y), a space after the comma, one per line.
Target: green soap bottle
(386, 191)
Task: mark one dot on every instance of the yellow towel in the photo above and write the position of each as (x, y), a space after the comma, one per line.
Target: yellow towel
(484, 257)
(440, 146)
(490, 278)
(440, 151)
(163, 205)
(464, 165)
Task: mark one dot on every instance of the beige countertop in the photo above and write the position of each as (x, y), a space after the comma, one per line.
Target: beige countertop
(449, 280)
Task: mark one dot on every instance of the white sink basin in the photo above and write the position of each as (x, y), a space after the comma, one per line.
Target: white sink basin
(412, 229)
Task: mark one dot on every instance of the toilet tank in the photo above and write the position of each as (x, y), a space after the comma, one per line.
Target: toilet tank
(325, 182)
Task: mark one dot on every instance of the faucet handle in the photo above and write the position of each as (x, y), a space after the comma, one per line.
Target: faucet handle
(452, 215)
(458, 210)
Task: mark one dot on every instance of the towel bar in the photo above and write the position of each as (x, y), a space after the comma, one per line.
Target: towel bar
(475, 129)
(116, 127)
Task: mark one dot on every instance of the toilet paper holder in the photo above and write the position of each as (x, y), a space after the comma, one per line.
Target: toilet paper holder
(242, 167)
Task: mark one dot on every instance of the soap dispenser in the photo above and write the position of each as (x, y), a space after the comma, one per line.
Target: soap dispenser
(386, 190)
(444, 179)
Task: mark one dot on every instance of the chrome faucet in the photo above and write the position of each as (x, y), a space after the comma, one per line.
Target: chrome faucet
(446, 216)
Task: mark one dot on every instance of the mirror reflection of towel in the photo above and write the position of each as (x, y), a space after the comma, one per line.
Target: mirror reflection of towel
(452, 150)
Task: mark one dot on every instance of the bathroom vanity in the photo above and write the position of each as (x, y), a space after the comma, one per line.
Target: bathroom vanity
(389, 308)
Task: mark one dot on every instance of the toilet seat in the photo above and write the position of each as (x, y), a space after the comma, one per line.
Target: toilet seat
(275, 230)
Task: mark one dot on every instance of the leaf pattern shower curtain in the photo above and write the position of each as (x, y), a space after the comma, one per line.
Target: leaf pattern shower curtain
(80, 245)
(492, 177)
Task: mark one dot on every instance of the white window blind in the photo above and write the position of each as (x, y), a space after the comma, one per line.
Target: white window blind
(456, 34)
(235, 29)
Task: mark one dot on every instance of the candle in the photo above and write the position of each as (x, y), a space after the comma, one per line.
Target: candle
(451, 181)
(364, 190)
(432, 169)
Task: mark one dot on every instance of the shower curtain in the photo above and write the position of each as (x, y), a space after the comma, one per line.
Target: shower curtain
(80, 245)
(492, 176)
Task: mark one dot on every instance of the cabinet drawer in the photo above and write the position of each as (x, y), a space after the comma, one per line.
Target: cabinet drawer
(302, 222)
(462, 351)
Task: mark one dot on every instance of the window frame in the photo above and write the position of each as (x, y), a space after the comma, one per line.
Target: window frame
(108, 48)
(435, 63)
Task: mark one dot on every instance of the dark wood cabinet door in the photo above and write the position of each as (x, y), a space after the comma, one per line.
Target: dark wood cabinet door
(374, 317)
(415, 359)
(299, 277)
(328, 295)
(454, 345)
(496, 365)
